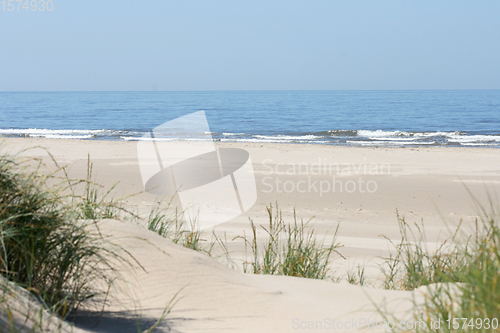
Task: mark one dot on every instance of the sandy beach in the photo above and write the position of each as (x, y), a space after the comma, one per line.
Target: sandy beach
(249, 166)
(362, 188)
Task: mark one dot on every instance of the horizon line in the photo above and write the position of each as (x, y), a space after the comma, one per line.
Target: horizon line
(237, 90)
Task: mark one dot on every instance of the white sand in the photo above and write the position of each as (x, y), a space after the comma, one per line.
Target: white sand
(422, 183)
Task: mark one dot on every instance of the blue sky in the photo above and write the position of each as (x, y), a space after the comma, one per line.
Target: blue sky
(251, 45)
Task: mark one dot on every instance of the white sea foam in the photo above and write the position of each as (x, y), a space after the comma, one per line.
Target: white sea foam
(474, 138)
(58, 136)
(258, 140)
(233, 134)
(371, 138)
(412, 142)
(139, 138)
(159, 139)
(394, 139)
(64, 134)
(438, 133)
(287, 137)
(478, 144)
(380, 133)
(43, 131)
(364, 143)
(404, 134)
(394, 143)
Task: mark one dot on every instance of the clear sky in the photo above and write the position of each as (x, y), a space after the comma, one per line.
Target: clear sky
(251, 45)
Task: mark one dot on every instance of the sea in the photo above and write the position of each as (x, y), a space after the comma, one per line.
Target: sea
(463, 118)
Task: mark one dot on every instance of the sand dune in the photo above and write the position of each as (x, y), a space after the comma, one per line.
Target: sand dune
(214, 298)
(421, 183)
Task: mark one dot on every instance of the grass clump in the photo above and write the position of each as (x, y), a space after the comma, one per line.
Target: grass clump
(358, 276)
(462, 278)
(414, 265)
(290, 250)
(93, 205)
(171, 226)
(42, 247)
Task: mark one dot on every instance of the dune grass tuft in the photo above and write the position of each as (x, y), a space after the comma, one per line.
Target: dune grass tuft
(291, 250)
(95, 203)
(171, 226)
(462, 277)
(414, 265)
(357, 276)
(42, 247)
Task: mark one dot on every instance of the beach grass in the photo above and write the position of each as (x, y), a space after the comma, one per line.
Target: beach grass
(94, 204)
(44, 246)
(414, 264)
(460, 279)
(357, 275)
(289, 249)
(171, 225)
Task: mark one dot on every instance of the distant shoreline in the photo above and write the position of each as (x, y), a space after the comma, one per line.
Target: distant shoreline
(87, 135)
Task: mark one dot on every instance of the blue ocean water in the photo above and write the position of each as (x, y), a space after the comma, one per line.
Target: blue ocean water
(376, 118)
